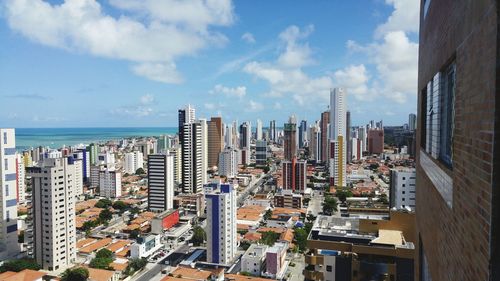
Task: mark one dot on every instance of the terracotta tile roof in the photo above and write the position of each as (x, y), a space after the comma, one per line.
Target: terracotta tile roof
(118, 245)
(85, 242)
(287, 235)
(252, 236)
(119, 266)
(273, 229)
(123, 253)
(100, 274)
(237, 277)
(240, 226)
(96, 246)
(25, 275)
(192, 273)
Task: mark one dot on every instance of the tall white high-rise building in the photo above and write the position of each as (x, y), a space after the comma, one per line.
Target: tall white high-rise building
(110, 183)
(204, 150)
(51, 232)
(133, 161)
(21, 177)
(228, 136)
(78, 177)
(176, 152)
(221, 223)
(192, 164)
(338, 137)
(228, 162)
(315, 142)
(8, 195)
(258, 135)
(160, 182)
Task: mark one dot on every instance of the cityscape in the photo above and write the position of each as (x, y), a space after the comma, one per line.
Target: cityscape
(383, 170)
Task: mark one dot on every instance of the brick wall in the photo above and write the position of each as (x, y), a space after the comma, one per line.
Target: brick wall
(457, 239)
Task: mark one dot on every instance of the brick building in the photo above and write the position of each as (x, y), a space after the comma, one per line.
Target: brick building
(375, 141)
(457, 190)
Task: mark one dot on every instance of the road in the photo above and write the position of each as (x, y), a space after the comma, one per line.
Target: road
(173, 258)
(295, 272)
(316, 203)
(252, 187)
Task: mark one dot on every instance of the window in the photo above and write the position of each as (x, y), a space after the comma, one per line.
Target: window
(329, 268)
(4, 137)
(438, 99)
(7, 216)
(427, 3)
(6, 164)
(447, 113)
(6, 190)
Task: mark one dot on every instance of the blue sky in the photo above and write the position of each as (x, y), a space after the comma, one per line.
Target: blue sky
(87, 63)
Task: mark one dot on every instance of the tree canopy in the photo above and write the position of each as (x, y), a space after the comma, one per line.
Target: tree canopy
(330, 205)
(19, 265)
(76, 274)
(199, 235)
(269, 238)
(103, 203)
(105, 215)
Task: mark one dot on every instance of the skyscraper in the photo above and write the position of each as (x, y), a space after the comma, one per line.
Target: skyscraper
(348, 137)
(8, 199)
(315, 142)
(110, 183)
(160, 182)
(272, 131)
(204, 150)
(228, 162)
(294, 175)
(245, 134)
(302, 133)
(375, 141)
(325, 118)
(258, 133)
(261, 152)
(186, 115)
(192, 165)
(133, 161)
(51, 233)
(412, 122)
(458, 168)
(221, 223)
(290, 138)
(338, 137)
(215, 140)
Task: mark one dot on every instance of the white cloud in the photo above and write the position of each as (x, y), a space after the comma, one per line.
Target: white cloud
(254, 106)
(238, 92)
(296, 54)
(285, 76)
(152, 44)
(354, 79)
(405, 17)
(147, 99)
(393, 54)
(248, 37)
(277, 105)
(209, 106)
(161, 72)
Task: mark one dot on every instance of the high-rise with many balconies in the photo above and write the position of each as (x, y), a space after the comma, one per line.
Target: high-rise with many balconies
(51, 232)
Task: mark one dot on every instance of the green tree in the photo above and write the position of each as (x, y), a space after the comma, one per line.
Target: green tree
(134, 234)
(267, 214)
(105, 215)
(330, 205)
(101, 263)
(19, 265)
(199, 236)
(301, 238)
(120, 205)
(103, 203)
(266, 169)
(104, 253)
(383, 199)
(140, 171)
(311, 218)
(343, 194)
(245, 245)
(135, 265)
(269, 238)
(76, 274)
(20, 237)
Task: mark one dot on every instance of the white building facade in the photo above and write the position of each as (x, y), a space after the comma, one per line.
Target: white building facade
(8, 194)
(338, 137)
(51, 232)
(402, 192)
(133, 161)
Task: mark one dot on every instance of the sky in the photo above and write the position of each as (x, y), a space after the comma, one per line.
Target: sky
(133, 63)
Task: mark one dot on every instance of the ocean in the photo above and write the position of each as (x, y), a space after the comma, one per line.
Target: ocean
(58, 137)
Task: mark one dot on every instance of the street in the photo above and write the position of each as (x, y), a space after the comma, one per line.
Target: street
(316, 203)
(173, 259)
